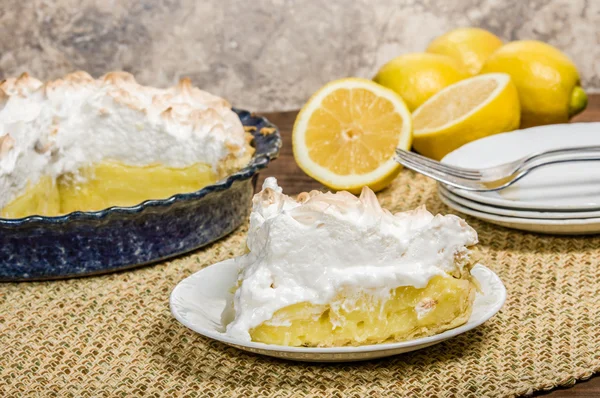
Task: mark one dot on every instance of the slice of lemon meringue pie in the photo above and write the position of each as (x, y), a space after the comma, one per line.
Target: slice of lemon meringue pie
(80, 143)
(333, 270)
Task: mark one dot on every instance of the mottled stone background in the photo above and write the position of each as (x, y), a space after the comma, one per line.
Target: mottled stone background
(269, 55)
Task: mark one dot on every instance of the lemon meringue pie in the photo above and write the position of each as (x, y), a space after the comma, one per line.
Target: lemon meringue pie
(80, 143)
(334, 270)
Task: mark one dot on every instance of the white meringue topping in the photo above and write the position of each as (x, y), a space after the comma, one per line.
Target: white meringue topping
(63, 125)
(308, 250)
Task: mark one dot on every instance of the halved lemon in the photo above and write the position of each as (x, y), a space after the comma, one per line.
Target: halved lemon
(346, 134)
(466, 111)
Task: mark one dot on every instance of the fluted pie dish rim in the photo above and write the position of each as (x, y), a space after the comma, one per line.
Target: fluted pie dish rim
(121, 238)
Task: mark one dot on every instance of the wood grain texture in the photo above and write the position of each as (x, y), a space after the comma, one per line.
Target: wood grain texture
(290, 177)
(293, 180)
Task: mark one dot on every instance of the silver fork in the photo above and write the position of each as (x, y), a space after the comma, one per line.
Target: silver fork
(497, 177)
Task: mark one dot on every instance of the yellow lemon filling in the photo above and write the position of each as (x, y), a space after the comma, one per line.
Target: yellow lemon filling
(107, 184)
(408, 313)
(42, 199)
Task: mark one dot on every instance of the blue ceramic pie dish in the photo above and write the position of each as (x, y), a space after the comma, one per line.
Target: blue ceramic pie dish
(117, 238)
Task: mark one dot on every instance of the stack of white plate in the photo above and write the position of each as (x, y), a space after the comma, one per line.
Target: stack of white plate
(556, 199)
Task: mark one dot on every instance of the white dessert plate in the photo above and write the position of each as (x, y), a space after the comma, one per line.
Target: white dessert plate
(561, 187)
(581, 226)
(502, 211)
(198, 301)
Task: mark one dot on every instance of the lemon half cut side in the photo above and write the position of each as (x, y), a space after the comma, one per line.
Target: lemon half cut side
(345, 136)
(466, 111)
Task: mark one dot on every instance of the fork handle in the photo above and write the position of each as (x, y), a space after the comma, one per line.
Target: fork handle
(580, 153)
(555, 158)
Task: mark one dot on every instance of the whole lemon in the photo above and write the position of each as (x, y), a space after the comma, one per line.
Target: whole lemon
(469, 46)
(416, 77)
(547, 81)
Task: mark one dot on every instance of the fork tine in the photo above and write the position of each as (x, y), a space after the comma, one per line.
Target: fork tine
(445, 178)
(436, 174)
(454, 170)
(458, 171)
(403, 157)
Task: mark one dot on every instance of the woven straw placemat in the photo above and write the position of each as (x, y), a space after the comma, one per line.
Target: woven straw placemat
(114, 336)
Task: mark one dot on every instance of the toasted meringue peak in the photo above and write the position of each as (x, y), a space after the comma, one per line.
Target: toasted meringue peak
(44, 145)
(118, 77)
(3, 98)
(185, 85)
(6, 144)
(307, 250)
(303, 197)
(22, 85)
(79, 77)
(167, 113)
(73, 81)
(65, 124)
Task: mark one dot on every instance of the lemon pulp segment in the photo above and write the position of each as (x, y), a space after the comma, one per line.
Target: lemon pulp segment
(353, 132)
(409, 312)
(346, 134)
(107, 184)
(466, 111)
(455, 104)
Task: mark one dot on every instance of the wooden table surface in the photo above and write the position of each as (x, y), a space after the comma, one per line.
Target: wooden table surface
(294, 181)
